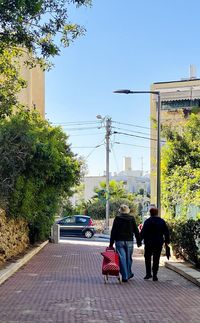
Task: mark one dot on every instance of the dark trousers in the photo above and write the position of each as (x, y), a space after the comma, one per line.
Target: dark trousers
(149, 251)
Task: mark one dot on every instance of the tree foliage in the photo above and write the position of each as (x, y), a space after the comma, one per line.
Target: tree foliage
(37, 167)
(181, 167)
(185, 239)
(40, 26)
(116, 190)
(10, 82)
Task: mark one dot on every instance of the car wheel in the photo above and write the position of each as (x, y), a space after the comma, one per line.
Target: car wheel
(88, 234)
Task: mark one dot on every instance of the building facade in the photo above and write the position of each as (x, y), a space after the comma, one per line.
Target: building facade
(133, 180)
(178, 98)
(33, 95)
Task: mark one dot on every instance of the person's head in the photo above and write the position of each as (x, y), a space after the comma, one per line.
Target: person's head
(124, 209)
(153, 211)
(132, 210)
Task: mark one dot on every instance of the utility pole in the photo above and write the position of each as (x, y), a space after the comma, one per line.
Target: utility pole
(107, 121)
(108, 133)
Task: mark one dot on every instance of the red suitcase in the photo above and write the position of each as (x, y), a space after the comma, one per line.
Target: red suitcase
(110, 265)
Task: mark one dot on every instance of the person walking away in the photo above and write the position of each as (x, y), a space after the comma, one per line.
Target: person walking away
(154, 233)
(123, 230)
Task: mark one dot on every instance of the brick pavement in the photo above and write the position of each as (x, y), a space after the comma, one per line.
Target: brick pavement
(63, 283)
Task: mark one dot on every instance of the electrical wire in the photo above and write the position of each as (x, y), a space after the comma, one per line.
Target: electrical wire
(79, 123)
(85, 134)
(130, 124)
(123, 143)
(143, 133)
(115, 159)
(78, 147)
(94, 149)
(128, 134)
(84, 128)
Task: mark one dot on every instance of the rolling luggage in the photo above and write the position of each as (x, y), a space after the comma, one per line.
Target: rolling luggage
(110, 265)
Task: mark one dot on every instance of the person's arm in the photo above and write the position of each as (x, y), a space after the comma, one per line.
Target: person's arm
(142, 232)
(166, 234)
(112, 235)
(136, 232)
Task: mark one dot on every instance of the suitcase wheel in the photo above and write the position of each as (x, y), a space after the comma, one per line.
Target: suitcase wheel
(105, 279)
(120, 278)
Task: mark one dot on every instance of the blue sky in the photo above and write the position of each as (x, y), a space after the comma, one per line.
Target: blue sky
(128, 44)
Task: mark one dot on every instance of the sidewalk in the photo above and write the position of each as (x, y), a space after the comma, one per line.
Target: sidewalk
(181, 268)
(63, 283)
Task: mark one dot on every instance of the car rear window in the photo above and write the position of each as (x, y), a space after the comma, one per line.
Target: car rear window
(81, 220)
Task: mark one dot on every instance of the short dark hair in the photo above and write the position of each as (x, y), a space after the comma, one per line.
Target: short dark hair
(154, 211)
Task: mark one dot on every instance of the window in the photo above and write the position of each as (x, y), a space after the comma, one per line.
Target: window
(81, 220)
(68, 220)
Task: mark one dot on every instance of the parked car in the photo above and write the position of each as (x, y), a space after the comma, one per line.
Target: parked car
(76, 225)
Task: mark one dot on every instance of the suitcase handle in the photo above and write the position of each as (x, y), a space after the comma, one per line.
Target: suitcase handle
(110, 249)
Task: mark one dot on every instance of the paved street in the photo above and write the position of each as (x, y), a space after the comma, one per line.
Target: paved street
(63, 283)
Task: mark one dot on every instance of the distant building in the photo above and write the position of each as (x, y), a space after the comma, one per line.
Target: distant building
(178, 98)
(133, 180)
(90, 183)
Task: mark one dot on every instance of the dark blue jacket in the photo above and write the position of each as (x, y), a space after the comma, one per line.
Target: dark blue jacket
(123, 229)
(155, 231)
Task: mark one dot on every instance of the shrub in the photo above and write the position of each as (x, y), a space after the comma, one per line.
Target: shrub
(185, 240)
(37, 167)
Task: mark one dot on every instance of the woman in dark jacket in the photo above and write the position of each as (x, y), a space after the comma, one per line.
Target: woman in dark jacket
(154, 233)
(123, 229)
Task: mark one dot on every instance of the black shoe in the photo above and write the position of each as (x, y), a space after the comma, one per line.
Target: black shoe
(155, 278)
(131, 276)
(147, 277)
(124, 280)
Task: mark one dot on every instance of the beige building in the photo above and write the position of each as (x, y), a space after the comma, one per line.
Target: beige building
(177, 100)
(34, 94)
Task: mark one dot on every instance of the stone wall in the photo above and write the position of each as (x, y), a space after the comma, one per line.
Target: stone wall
(13, 237)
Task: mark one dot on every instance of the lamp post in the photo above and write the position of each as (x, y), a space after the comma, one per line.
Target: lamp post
(108, 122)
(157, 93)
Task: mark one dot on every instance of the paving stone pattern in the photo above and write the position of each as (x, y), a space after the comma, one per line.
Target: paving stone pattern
(63, 283)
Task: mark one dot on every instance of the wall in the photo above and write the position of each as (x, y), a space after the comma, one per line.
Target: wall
(13, 237)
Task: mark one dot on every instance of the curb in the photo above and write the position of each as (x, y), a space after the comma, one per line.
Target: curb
(12, 268)
(187, 272)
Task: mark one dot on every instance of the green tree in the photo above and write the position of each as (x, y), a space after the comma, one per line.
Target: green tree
(181, 167)
(40, 26)
(116, 190)
(10, 82)
(37, 167)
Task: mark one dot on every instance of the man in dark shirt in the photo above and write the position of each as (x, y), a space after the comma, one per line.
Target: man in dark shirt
(154, 233)
(123, 229)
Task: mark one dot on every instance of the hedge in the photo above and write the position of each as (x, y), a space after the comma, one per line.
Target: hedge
(185, 240)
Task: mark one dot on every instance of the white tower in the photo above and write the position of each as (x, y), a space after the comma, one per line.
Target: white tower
(127, 164)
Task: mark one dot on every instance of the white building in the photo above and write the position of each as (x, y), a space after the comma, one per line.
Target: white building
(133, 180)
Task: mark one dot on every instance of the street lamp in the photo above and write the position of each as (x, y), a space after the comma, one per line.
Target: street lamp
(108, 122)
(157, 93)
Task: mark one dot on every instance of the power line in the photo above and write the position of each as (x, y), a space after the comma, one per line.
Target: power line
(78, 147)
(94, 149)
(130, 124)
(123, 143)
(115, 159)
(79, 123)
(143, 133)
(128, 134)
(84, 128)
(85, 134)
